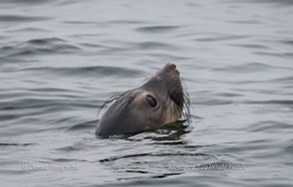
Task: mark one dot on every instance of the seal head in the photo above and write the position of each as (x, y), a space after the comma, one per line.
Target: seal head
(157, 102)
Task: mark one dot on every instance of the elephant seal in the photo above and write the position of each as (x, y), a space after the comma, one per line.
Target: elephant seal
(159, 101)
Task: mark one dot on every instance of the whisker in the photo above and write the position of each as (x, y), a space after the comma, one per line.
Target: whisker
(109, 100)
(186, 106)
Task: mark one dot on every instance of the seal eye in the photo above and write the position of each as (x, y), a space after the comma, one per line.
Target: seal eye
(151, 101)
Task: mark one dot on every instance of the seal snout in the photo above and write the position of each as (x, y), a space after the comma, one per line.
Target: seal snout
(172, 65)
(170, 68)
(175, 69)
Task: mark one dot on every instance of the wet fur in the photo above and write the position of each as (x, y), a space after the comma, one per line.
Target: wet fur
(177, 106)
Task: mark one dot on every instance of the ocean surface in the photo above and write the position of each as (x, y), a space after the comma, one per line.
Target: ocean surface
(60, 60)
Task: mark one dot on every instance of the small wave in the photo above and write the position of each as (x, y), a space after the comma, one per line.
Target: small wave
(27, 108)
(287, 55)
(269, 102)
(12, 172)
(173, 56)
(220, 38)
(228, 95)
(270, 126)
(69, 148)
(39, 46)
(26, 2)
(153, 155)
(279, 2)
(288, 79)
(210, 101)
(29, 30)
(18, 18)
(245, 68)
(157, 29)
(16, 144)
(287, 42)
(111, 46)
(89, 71)
(126, 22)
(80, 22)
(246, 21)
(153, 45)
(289, 148)
(64, 160)
(254, 46)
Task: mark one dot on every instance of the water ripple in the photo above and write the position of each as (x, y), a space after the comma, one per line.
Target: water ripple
(18, 18)
(153, 155)
(39, 47)
(15, 144)
(26, 2)
(247, 68)
(220, 38)
(157, 29)
(89, 71)
(270, 126)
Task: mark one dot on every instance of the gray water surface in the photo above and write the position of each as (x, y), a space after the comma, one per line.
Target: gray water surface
(60, 60)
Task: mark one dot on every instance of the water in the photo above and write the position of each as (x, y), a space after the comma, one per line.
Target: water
(60, 60)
